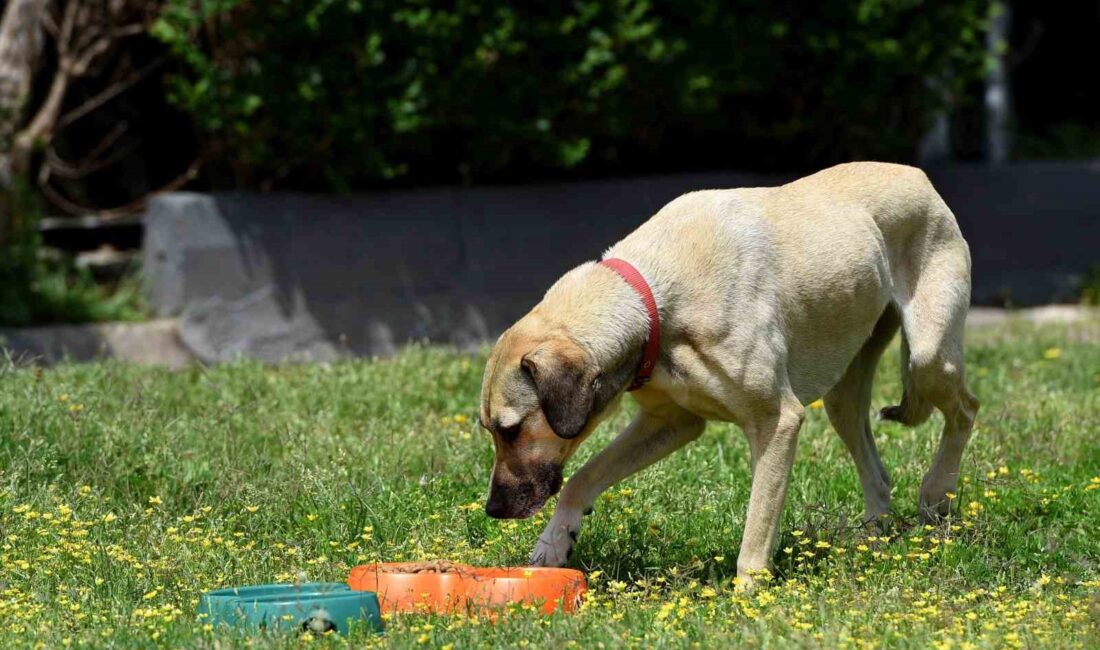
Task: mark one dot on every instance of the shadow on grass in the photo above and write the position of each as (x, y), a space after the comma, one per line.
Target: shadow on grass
(819, 529)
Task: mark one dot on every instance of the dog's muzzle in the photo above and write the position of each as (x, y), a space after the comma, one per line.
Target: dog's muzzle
(522, 498)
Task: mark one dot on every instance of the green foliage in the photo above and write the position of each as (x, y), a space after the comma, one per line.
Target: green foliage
(36, 289)
(339, 94)
(1065, 141)
(1090, 286)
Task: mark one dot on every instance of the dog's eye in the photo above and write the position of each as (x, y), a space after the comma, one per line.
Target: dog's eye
(508, 434)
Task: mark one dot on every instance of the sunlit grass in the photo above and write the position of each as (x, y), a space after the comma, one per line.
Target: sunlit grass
(126, 492)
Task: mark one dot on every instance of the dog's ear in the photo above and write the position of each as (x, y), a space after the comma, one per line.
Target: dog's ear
(566, 387)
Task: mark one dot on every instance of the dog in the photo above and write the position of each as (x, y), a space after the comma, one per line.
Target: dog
(767, 299)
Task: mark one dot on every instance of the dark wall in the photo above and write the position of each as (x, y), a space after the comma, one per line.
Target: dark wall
(291, 275)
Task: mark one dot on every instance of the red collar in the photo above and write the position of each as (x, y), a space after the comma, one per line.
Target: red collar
(653, 344)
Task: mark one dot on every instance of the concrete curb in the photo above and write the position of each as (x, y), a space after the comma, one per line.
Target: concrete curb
(152, 343)
(984, 316)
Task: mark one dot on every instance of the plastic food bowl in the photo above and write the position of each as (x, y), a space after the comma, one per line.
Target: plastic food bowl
(317, 607)
(548, 588)
(469, 589)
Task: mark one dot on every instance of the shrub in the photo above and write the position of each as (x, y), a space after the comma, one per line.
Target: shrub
(37, 288)
(340, 94)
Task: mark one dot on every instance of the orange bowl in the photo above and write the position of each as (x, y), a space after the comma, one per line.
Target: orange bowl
(546, 588)
(399, 590)
(469, 589)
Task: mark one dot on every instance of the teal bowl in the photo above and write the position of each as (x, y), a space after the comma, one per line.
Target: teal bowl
(220, 606)
(316, 607)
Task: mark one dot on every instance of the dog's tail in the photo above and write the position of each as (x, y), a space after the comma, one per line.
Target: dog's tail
(914, 409)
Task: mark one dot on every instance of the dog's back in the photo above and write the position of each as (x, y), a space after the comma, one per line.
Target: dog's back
(820, 258)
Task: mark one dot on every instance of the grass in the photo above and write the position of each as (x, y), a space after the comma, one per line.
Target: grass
(126, 492)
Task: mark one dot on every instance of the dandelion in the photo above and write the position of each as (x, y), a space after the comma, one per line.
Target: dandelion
(155, 501)
(1052, 353)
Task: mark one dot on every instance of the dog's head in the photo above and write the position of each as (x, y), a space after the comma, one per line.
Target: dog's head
(542, 395)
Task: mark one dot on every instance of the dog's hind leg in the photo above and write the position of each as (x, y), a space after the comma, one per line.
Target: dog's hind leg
(933, 320)
(848, 405)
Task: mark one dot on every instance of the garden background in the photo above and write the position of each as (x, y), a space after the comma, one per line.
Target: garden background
(251, 254)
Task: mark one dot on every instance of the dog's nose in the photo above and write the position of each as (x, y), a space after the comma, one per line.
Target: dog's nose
(495, 506)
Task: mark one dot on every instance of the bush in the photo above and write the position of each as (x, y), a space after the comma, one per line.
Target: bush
(39, 289)
(341, 94)
(35, 290)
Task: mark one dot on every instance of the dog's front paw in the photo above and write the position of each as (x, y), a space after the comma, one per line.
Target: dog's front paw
(555, 546)
(934, 509)
(935, 500)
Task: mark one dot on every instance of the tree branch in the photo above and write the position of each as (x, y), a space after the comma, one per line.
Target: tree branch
(107, 94)
(49, 23)
(91, 162)
(67, 24)
(126, 209)
(125, 31)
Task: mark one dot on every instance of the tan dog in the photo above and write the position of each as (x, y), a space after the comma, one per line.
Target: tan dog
(769, 298)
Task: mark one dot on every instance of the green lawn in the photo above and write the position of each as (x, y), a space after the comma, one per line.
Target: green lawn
(126, 492)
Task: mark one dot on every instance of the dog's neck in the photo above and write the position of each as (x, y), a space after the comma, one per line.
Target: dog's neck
(606, 317)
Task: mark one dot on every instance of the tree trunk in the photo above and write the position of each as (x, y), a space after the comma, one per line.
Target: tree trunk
(20, 51)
